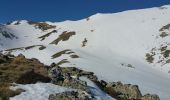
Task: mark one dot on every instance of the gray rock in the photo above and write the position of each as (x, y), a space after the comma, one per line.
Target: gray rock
(150, 97)
(76, 84)
(70, 95)
(123, 91)
(63, 78)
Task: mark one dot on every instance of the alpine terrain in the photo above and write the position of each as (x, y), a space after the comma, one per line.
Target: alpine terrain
(122, 56)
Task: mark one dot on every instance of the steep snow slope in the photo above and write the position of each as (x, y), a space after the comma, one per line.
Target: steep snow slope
(115, 46)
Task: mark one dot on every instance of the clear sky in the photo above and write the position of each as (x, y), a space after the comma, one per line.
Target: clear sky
(60, 10)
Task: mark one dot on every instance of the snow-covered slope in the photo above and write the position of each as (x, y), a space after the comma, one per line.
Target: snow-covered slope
(113, 46)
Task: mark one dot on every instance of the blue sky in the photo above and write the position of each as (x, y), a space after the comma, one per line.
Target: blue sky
(60, 10)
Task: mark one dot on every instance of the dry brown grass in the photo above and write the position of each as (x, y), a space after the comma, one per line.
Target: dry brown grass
(42, 25)
(63, 37)
(47, 35)
(6, 92)
(163, 34)
(74, 56)
(62, 62)
(165, 27)
(149, 58)
(58, 54)
(42, 47)
(19, 66)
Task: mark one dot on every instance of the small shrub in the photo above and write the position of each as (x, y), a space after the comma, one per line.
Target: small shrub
(19, 60)
(149, 58)
(163, 34)
(84, 42)
(62, 62)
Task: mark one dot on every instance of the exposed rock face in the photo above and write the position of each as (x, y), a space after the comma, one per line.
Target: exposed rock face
(70, 95)
(150, 97)
(69, 77)
(63, 77)
(7, 34)
(123, 91)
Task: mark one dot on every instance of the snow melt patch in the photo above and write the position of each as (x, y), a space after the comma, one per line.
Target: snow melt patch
(38, 91)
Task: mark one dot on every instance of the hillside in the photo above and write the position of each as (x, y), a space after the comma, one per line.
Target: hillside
(131, 46)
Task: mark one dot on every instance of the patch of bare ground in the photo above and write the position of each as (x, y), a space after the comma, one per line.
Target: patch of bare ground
(58, 54)
(42, 25)
(165, 27)
(6, 92)
(74, 56)
(47, 35)
(63, 37)
(67, 51)
(149, 57)
(41, 47)
(20, 70)
(62, 62)
(164, 32)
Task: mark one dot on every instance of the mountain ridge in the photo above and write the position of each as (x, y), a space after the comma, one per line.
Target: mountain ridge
(113, 42)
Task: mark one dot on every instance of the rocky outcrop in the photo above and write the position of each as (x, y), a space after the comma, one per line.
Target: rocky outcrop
(150, 97)
(70, 95)
(27, 71)
(69, 77)
(63, 77)
(123, 91)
